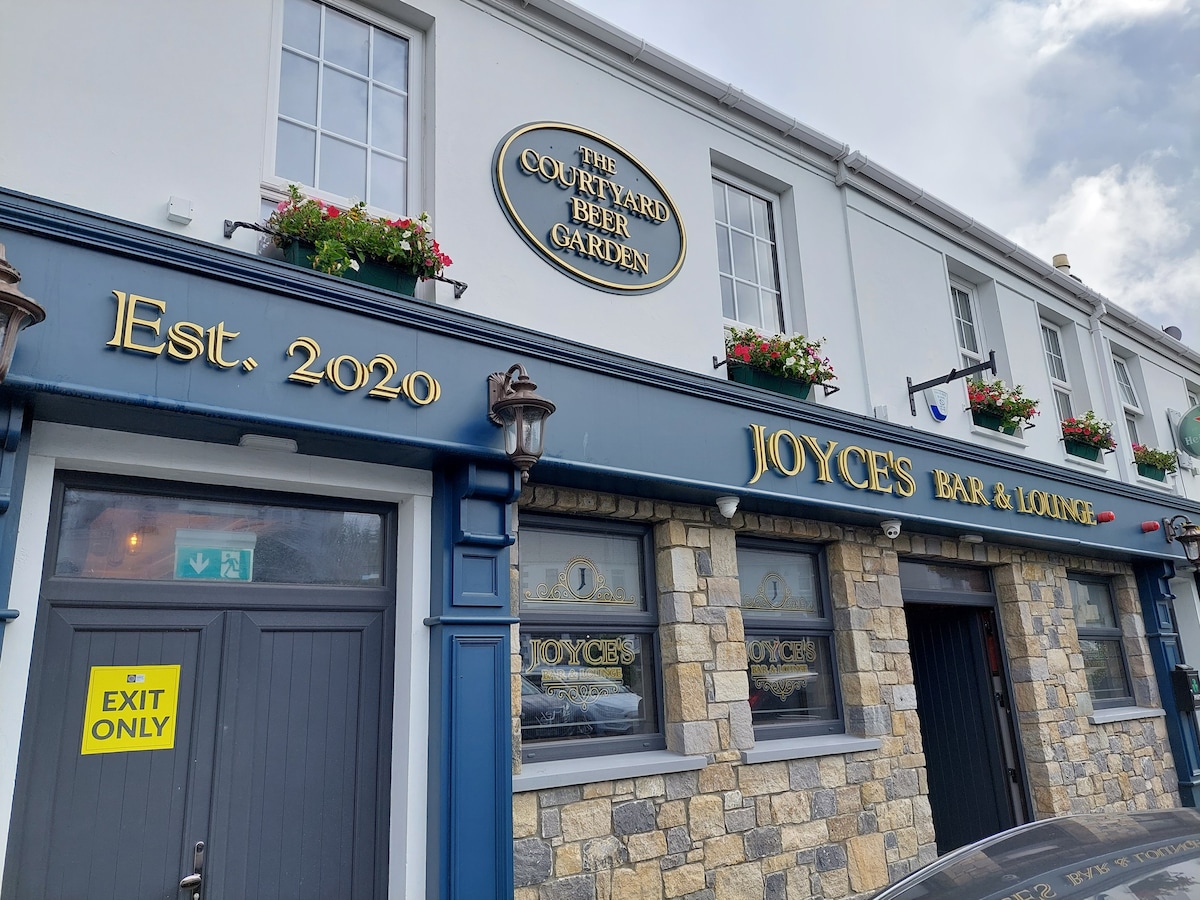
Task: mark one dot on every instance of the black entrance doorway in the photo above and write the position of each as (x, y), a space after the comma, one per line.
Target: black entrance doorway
(962, 701)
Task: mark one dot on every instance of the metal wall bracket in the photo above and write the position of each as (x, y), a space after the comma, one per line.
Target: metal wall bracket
(946, 379)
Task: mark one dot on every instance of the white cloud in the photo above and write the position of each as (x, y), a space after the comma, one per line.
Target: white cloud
(1051, 27)
(1126, 239)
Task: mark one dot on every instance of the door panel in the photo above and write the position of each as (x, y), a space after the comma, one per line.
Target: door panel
(968, 792)
(112, 824)
(302, 756)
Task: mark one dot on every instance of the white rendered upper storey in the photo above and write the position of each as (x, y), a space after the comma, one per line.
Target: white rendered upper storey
(222, 103)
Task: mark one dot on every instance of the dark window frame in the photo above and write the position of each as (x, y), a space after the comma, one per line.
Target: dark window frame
(1114, 635)
(643, 622)
(822, 628)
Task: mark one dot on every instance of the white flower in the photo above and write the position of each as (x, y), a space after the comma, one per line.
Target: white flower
(405, 245)
(354, 264)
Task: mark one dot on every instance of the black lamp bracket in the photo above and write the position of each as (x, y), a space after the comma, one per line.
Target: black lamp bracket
(954, 375)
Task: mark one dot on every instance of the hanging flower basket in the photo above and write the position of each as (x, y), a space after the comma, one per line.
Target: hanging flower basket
(351, 243)
(998, 407)
(786, 364)
(744, 374)
(1153, 463)
(1087, 436)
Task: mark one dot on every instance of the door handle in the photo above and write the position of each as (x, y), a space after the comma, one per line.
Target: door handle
(192, 882)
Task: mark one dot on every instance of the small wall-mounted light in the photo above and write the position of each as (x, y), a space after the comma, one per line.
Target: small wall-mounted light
(16, 311)
(522, 413)
(727, 506)
(1181, 528)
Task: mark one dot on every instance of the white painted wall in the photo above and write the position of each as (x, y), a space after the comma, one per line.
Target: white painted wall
(115, 107)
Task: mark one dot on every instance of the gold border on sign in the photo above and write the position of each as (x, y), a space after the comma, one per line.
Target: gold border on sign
(548, 252)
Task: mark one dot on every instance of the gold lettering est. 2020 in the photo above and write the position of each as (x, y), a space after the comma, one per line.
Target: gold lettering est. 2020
(184, 340)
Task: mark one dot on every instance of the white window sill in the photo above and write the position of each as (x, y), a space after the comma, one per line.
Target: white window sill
(588, 769)
(1124, 714)
(1168, 485)
(1097, 466)
(805, 747)
(1014, 440)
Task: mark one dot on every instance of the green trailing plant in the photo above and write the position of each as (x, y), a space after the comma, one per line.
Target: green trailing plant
(1158, 459)
(995, 398)
(344, 238)
(789, 356)
(1090, 430)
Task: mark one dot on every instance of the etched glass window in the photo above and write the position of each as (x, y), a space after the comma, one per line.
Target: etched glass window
(1100, 640)
(588, 643)
(789, 641)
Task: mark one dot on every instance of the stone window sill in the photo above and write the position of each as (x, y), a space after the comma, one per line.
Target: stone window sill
(586, 770)
(1124, 714)
(803, 748)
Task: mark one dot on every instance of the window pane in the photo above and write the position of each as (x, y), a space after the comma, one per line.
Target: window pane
(295, 153)
(1131, 424)
(105, 534)
(391, 60)
(1093, 605)
(389, 121)
(298, 88)
(739, 210)
(1125, 384)
(343, 168)
(1105, 670)
(586, 684)
(722, 212)
(302, 26)
(1062, 401)
(347, 41)
(1054, 357)
(791, 678)
(389, 184)
(766, 265)
(758, 208)
(744, 263)
(925, 577)
(778, 585)
(728, 306)
(344, 105)
(748, 310)
(724, 259)
(568, 572)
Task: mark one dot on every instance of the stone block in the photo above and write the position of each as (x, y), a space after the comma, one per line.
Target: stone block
(524, 815)
(683, 690)
(764, 778)
(586, 819)
(635, 817)
(761, 842)
(603, 853)
(685, 643)
(866, 863)
(551, 823)
(573, 887)
(724, 850)
(693, 738)
(568, 860)
(671, 533)
(532, 861)
(681, 785)
(729, 687)
(806, 836)
(674, 606)
(650, 845)
(740, 819)
(675, 569)
(744, 882)
(683, 880)
(706, 816)
(641, 882)
(831, 856)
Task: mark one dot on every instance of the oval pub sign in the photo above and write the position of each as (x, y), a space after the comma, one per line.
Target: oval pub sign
(588, 207)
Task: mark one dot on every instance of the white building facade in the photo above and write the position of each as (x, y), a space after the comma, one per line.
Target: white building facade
(411, 675)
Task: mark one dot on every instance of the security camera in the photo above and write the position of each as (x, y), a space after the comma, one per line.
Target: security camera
(727, 506)
(890, 528)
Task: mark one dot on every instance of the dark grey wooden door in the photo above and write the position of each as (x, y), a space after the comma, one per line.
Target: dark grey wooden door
(277, 764)
(969, 794)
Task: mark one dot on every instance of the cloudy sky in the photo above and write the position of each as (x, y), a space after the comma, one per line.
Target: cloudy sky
(1067, 125)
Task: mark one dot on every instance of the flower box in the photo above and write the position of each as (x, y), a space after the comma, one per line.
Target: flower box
(743, 374)
(1155, 472)
(371, 273)
(992, 422)
(1082, 450)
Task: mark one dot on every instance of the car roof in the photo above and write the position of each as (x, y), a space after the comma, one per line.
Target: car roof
(1069, 854)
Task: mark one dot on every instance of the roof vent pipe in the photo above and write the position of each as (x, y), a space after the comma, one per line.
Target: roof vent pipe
(1062, 263)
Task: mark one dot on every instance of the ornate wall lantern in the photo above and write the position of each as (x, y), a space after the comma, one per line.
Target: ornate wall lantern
(16, 311)
(514, 405)
(1182, 529)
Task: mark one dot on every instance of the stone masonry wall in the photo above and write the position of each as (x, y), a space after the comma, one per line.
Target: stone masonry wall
(828, 826)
